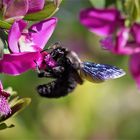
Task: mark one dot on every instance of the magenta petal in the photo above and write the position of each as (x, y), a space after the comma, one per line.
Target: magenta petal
(14, 35)
(15, 8)
(123, 45)
(35, 5)
(107, 43)
(6, 2)
(100, 21)
(42, 31)
(136, 32)
(2, 92)
(15, 64)
(135, 67)
(121, 41)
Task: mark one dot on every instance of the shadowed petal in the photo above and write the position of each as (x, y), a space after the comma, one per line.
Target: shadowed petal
(2, 92)
(35, 5)
(15, 64)
(136, 32)
(14, 35)
(42, 31)
(6, 2)
(107, 43)
(135, 67)
(1, 5)
(100, 21)
(15, 8)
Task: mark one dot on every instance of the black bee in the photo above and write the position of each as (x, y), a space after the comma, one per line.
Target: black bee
(69, 71)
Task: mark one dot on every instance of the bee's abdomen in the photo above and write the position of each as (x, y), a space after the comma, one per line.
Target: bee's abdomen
(58, 88)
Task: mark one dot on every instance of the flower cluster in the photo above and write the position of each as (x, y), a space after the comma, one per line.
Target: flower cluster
(25, 41)
(118, 37)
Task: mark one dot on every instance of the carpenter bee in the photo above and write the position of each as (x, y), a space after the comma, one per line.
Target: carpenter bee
(68, 70)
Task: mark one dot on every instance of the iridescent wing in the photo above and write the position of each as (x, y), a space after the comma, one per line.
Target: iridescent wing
(100, 72)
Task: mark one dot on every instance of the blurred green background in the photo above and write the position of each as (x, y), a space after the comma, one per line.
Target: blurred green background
(106, 111)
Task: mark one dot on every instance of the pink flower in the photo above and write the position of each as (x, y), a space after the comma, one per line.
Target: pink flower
(34, 38)
(19, 8)
(4, 106)
(109, 24)
(117, 37)
(25, 46)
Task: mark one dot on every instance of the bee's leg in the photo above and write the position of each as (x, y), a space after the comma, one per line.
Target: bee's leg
(42, 73)
(58, 70)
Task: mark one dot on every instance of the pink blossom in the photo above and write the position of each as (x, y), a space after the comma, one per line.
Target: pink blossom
(4, 106)
(25, 46)
(117, 37)
(34, 38)
(109, 23)
(19, 8)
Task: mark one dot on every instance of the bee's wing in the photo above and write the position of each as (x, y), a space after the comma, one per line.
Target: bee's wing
(100, 72)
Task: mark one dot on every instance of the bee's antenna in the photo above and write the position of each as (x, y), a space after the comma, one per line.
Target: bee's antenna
(44, 50)
(53, 46)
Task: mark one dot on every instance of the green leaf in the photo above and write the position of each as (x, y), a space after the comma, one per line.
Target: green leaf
(17, 107)
(4, 126)
(1, 14)
(4, 25)
(3, 42)
(13, 100)
(20, 105)
(98, 3)
(109, 2)
(49, 9)
(132, 9)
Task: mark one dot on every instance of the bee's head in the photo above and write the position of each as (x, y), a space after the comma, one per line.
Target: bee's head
(58, 52)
